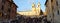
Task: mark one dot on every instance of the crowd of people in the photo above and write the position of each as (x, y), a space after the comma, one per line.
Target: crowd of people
(24, 19)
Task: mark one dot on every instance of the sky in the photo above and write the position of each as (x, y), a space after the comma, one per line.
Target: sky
(25, 5)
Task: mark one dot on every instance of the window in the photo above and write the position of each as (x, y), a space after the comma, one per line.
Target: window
(56, 3)
(3, 1)
(9, 10)
(52, 8)
(58, 12)
(51, 0)
(8, 7)
(2, 7)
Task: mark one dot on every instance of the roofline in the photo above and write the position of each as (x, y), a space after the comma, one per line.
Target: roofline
(46, 2)
(13, 3)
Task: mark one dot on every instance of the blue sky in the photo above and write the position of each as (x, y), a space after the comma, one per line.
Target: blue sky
(24, 5)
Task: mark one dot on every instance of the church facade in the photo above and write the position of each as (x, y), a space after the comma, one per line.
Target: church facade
(35, 11)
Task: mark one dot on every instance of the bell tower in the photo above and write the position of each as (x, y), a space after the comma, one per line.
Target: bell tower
(33, 7)
(38, 5)
(38, 8)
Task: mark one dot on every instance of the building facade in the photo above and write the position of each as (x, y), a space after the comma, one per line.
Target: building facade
(52, 10)
(35, 10)
(0, 8)
(8, 9)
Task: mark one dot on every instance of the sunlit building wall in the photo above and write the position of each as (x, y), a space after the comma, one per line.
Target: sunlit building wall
(35, 10)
